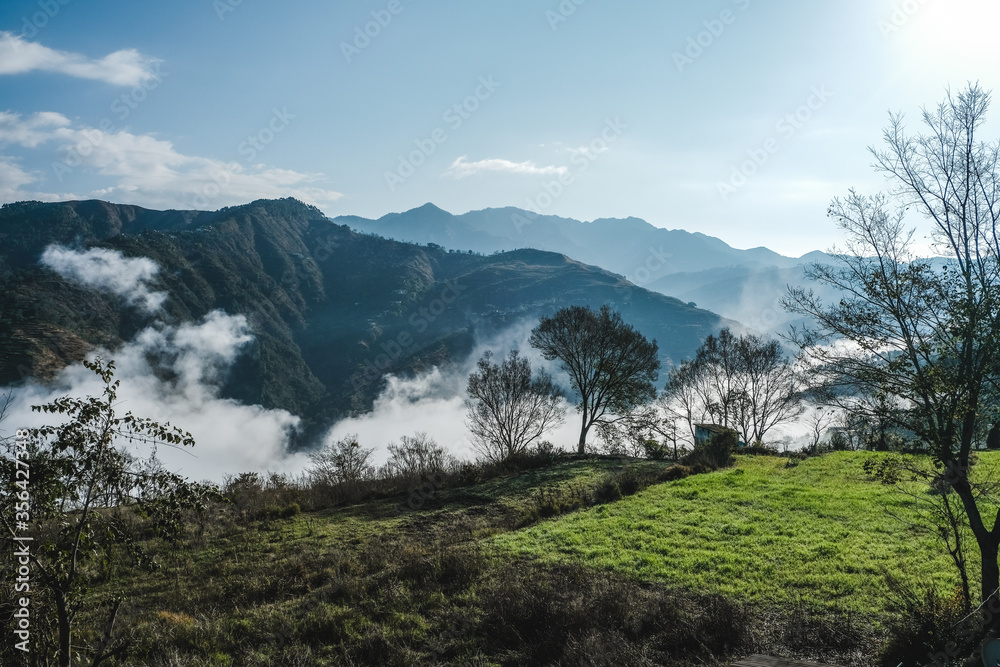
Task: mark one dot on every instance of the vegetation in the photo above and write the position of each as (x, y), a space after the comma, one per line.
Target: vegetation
(922, 338)
(576, 559)
(81, 493)
(508, 408)
(740, 382)
(611, 365)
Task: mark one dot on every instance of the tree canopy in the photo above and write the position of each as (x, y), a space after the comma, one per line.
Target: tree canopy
(741, 382)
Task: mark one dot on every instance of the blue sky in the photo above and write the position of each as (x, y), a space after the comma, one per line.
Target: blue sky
(737, 118)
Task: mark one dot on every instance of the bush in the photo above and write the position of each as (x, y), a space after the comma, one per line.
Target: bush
(543, 455)
(716, 453)
(418, 458)
(929, 624)
(760, 449)
(608, 491)
(676, 471)
(656, 450)
(341, 471)
(629, 481)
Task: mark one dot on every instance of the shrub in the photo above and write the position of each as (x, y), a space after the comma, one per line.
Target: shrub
(629, 481)
(676, 471)
(656, 450)
(760, 449)
(418, 458)
(716, 453)
(929, 624)
(543, 455)
(608, 491)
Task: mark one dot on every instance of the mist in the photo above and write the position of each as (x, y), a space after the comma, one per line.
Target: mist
(434, 403)
(110, 271)
(169, 373)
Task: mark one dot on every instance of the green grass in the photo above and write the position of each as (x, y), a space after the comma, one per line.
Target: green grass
(475, 577)
(819, 532)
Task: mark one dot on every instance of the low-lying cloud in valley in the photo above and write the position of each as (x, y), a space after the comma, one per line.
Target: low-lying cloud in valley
(434, 403)
(169, 373)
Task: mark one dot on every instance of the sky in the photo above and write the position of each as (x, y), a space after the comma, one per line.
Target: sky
(740, 119)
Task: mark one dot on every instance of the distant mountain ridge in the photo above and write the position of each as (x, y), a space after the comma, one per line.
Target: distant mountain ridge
(332, 310)
(673, 262)
(607, 242)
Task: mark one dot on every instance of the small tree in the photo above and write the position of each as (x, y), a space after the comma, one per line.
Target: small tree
(342, 462)
(342, 465)
(610, 364)
(82, 488)
(508, 408)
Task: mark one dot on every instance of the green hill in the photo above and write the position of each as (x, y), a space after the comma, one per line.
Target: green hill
(758, 558)
(820, 531)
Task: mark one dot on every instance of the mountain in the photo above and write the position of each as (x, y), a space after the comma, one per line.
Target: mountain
(332, 310)
(686, 265)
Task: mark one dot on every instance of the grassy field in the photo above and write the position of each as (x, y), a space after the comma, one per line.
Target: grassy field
(819, 532)
(761, 557)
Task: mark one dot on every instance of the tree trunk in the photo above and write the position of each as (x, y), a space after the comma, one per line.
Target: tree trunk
(990, 569)
(581, 447)
(62, 611)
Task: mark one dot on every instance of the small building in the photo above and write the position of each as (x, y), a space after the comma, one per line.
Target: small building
(704, 432)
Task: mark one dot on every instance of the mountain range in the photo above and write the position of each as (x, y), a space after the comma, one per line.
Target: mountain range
(331, 310)
(744, 285)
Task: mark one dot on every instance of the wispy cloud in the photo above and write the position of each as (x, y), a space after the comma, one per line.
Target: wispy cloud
(142, 169)
(108, 270)
(127, 67)
(462, 168)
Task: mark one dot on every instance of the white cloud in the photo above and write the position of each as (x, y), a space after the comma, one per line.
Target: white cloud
(147, 171)
(12, 178)
(33, 130)
(108, 270)
(462, 168)
(127, 67)
(230, 437)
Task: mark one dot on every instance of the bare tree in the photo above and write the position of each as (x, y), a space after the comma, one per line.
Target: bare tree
(925, 334)
(610, 364)
(342, 465)
(818, 421)
(743, 382)
(508, 408)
